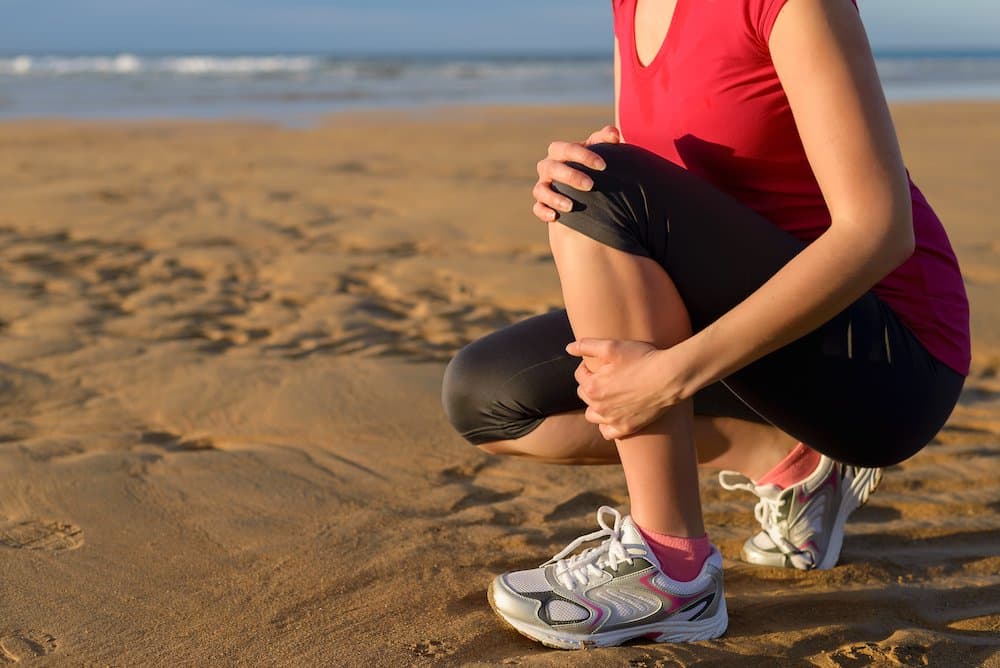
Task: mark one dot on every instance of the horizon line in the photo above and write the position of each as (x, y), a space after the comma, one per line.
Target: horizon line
(957, 51)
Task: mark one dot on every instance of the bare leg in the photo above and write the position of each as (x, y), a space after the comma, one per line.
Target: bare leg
(751, 448)
(611, 294)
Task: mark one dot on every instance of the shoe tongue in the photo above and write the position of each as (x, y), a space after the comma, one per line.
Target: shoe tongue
(770, 491)
(633, 540)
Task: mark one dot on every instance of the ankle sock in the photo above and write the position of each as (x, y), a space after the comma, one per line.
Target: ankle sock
(680, 558)
(794, 468)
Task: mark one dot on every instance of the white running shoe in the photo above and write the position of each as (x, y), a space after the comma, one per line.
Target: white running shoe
(803, 525)
(609, 594)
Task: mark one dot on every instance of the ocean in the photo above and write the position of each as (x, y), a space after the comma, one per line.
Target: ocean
(299, 88)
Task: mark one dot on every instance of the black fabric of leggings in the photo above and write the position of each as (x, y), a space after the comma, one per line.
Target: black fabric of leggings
(860, 389)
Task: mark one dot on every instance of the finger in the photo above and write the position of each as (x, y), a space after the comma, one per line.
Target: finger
(593, 416)
(582, 373)
(608, 432)
(602, 349)
(562, 151)
(543, 192)
(580, 392)
(629, 425)
(563, 173)
(607, 132)
(543, 213)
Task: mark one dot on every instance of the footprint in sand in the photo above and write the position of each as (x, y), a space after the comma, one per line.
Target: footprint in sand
(475, 495)
(649, 662)
(978, 394)
(870, 653)
(581, 505)
(435, 649)
(175, 443)
(484, 496)
(40, 535)
(24, 645)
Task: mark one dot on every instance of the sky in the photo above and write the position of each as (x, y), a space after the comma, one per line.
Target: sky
(379, 26)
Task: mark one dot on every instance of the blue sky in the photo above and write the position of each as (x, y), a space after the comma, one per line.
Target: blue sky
(40, 26)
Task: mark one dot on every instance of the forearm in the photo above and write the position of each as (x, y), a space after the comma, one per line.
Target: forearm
(826, 277)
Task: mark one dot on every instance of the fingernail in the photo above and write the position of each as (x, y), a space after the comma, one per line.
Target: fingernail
(566, 205)
(600, 165)
(587, 184)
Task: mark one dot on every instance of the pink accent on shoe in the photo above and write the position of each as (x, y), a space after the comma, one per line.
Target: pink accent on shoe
(794, 468)
(598, 613)
(680, 558)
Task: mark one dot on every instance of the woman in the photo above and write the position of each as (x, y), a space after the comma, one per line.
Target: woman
(752, 281)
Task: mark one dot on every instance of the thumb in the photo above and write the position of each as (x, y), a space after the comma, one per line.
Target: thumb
(609, 134)
(598, 348)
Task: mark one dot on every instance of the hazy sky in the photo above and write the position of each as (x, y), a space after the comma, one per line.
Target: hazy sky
(392, 25)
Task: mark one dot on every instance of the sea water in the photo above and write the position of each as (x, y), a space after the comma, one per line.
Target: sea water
(295, 87)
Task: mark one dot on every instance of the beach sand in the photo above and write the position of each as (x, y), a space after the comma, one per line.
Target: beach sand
(222, 441)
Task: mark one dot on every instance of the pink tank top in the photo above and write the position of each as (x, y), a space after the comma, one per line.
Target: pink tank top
(711, 101)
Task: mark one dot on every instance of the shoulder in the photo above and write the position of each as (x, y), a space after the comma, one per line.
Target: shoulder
(761, 15)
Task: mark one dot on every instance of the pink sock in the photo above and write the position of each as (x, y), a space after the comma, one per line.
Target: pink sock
(680, 558)
(794, 468)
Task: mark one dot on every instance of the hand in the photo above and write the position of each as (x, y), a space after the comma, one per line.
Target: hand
(553, 168)
(629, 390)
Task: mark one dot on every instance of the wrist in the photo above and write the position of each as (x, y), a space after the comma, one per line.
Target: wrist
(690, 368)
(677, 374)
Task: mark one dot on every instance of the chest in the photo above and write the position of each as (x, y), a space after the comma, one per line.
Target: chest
(697, 88)
(652, 22)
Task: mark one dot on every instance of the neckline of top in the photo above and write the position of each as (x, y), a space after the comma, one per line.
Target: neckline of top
(660, 54)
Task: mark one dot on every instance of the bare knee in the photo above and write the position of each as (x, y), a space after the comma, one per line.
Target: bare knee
(566, 242)
(496, 448)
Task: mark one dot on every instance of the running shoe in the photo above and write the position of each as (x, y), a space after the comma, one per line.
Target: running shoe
(609, 594)
(803, 525)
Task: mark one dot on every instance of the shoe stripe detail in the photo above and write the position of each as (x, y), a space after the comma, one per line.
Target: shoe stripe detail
(597, 610)
(546, 597)
(706, 601)
(676, 602)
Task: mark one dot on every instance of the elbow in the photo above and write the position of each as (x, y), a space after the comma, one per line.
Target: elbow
(882, 228)
(893, 245)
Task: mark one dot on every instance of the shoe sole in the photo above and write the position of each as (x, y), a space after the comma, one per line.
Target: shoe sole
(861, 490)
(666, 631)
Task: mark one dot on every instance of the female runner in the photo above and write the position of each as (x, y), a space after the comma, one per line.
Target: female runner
(752, 282)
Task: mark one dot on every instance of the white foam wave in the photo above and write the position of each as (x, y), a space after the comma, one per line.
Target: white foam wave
(357, 69)
(238, 65)
(127, 64)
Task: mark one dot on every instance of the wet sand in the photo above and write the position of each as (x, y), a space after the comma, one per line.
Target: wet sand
(221, 438)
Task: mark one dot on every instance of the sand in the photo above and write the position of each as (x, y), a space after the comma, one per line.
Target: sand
(221, 438)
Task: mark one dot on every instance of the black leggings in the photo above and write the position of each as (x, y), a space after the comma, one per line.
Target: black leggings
(860, 389)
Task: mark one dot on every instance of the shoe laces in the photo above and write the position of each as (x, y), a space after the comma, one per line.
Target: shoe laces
(769, 513)
(583, 568)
